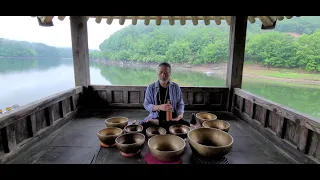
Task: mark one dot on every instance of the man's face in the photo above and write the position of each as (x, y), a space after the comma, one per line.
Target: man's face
(163, 74)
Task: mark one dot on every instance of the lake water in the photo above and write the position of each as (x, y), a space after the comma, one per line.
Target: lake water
(26, 80)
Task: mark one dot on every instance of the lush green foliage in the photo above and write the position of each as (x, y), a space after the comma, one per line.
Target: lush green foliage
(10, 48)
(204, 44)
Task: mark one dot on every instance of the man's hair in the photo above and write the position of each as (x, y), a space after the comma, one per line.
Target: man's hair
(166, 64)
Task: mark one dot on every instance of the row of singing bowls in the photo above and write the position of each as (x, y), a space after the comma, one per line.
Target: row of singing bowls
(130, 143)
(179, 130)
(210, 142)
(155, 130)
(218, 124)
(108, 135)
(166, 147)
(119, 122)
(205, 116)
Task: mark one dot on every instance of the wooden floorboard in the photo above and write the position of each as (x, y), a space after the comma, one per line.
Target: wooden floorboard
(77, 143)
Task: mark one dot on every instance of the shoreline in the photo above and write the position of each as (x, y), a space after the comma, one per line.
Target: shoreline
(250, 71)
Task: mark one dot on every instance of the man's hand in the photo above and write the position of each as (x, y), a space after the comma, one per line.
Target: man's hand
(179, 117)
(165, 107)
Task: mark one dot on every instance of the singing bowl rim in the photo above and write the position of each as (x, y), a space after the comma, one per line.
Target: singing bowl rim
(166, 152)
(110, 118)
(131, 134)
(212, 147)
(204, 124)
(148, 130)
(215, 116)
(181, 125)
(125, 128)
(104, 135)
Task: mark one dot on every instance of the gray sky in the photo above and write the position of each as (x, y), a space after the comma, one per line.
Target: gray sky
(26, 28)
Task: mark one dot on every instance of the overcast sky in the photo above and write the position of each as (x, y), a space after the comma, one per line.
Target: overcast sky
(26, 28)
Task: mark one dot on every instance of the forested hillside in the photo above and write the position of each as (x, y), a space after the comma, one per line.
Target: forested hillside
(294, 43)
(11, 48)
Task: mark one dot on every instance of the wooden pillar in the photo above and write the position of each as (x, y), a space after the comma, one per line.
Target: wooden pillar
(238, 30)
(80, 50)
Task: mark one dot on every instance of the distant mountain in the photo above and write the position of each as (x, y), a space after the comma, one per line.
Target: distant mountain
(294, 43)
(12, 48)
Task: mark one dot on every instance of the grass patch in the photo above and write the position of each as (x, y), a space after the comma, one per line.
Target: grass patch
(280, 83)
(291, 75)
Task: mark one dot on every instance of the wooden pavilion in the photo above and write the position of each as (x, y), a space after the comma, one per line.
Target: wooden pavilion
(62, 128)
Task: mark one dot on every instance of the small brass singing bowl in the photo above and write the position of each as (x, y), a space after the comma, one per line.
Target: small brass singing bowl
(130, 143)
(218, 124)
(119, 122)
(166, 147)
(210, 142)
(154, 130)
(133, 128)
(108, 135)
(179, 130)
(205, 116)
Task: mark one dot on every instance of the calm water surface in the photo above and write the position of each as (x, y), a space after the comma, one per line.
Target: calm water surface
(26, 80)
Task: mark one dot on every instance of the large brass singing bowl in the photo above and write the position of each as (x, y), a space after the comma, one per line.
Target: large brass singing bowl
(130, 143)
(218, 124)
(210, 142)
(133, 128)
(166, 147)
(154, 130)
(179, 130)
(205, 116)
(108, 135)
(119, 122)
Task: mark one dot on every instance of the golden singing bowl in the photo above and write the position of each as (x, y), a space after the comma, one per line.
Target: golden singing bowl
(166, 147)
(133, 128)
(130, 143)
(108, 135)
(119, 122)
(179, 130)
(153, 130)
(205, 116)
(218, 124)
(210, 142)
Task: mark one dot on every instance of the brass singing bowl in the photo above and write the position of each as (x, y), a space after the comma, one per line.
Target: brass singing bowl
(133, 128)
(179, 130)
(166, 147)
(119, 122)
(205, 116)
(210, 142)
(108, 135)
(152, 131)
(130, 143)
(218, 124)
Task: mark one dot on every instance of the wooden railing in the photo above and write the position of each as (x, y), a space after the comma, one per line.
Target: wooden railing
(282, 125)
(195, 98)
(24, 126)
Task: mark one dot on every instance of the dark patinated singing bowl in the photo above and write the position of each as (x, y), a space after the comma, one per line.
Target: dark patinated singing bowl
(119, 122)
(130, 143)
(219, 124)
(108, 135)
(166, 147)
(210, 142)
(133, 128)
(205, 116)
(151, 131)
(179, 130)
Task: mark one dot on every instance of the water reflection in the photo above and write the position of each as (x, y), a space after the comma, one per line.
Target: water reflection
(33, 79)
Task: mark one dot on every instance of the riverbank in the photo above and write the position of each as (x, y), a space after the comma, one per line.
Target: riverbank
(250, 71)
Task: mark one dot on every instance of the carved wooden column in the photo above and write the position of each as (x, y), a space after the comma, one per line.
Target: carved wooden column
(80, 50)
(238, 30)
